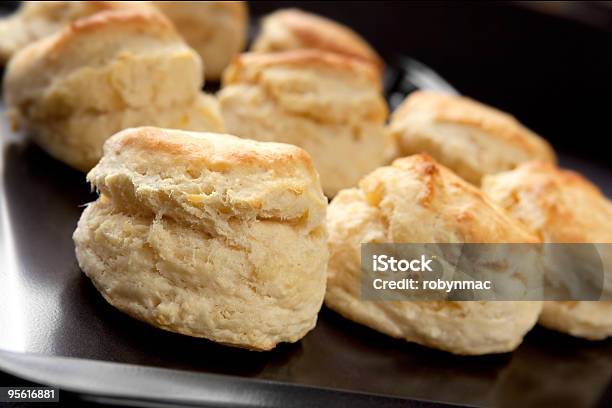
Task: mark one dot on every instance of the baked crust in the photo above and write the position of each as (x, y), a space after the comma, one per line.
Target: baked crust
(469, 137)
(291, 29)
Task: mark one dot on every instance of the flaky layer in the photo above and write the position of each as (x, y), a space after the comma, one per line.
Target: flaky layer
(327, 104)
(184, 280)
(470, 138)
(209, 180)
(416, 200)
(64, 137)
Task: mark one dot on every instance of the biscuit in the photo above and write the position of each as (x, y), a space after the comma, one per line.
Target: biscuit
(113, 70)
(293, 29)
(37, 19)
(207, 235)
(468, 137)
(416, 200)
(217, 30)
(329, 105)
(560, 206)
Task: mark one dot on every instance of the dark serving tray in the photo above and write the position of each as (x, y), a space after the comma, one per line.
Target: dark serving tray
(56, 329)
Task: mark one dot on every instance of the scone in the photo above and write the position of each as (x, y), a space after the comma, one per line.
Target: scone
(207, 235)
(330, 105)
(37, 19)
(416, 200)
(560, 206)
(217, 30)
(293, 29)
(113, 70)
(468, 137)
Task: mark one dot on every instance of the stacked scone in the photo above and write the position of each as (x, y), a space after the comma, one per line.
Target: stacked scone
(207, 235)
(314, 83)
(101, 74)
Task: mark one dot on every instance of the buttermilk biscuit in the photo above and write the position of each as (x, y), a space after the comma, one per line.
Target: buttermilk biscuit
(207, 235)
(113, 70)
(560, 206)
(468, 137)
(292, 29)
(415, 200)
(330, 105)
(217, 30)
(37, 19)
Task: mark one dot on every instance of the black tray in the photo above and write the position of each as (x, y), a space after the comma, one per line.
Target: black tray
(49, 311)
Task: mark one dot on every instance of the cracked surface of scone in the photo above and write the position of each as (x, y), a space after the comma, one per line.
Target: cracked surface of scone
(113, 70)
(37, 19)
(292, 29)
(217, 30)
(416, 200)
(470, 138)
(560, 206)
(330, 105)
(207, 235)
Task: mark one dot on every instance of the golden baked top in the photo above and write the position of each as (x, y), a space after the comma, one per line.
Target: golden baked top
(422, 201)
(187, 175)
(116, 55)
(558, 205)
(248, 66)
(458, 110)
(293, 29)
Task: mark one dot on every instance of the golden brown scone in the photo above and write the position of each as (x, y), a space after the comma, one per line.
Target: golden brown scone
(113, 70)
(560, 206)
(207, 235)
(293, 29)
(217, 30)
(468, 137)
(37, 19)
(416, 200)
(330, 105)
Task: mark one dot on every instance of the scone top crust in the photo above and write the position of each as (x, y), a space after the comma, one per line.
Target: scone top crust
(37, 19)
(559, 205)
(124, 22)
(459, 110)
(325, 86)
(248, 66)
(90, 42)
(424, 202)
(58, 11)
(47, 78)
(186, 175)
(293, 29)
